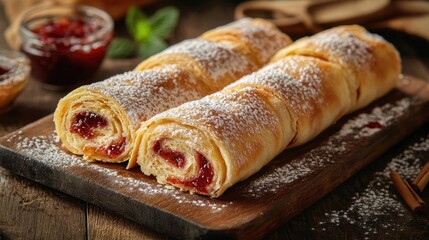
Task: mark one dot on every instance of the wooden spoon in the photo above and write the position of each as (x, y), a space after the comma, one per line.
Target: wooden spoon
(307, 15)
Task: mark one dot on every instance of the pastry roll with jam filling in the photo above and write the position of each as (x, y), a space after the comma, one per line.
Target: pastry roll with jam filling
(99, 121)
(206, 146)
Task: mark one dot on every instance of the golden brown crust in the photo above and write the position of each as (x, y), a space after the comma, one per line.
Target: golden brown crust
(249, 36)
(124, 100)
(307, 87)
(224, 54)
(314, 91)
(214, 64)
(212, 127)
(186, 71)
(373, 63)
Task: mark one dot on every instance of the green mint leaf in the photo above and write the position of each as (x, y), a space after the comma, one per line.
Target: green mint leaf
(143, 32)
(121, 48)
(133, 18)
(164, 21)
(151, 47)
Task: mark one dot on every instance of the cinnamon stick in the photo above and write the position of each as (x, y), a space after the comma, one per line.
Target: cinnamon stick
(405, 192)
(423, 182)
(415, 195)
(422, 179)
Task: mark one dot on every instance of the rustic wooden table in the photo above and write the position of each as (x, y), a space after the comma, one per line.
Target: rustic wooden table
(365, 206)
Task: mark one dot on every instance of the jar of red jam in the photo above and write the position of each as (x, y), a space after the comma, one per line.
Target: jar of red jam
(14, 73)
(66, 44)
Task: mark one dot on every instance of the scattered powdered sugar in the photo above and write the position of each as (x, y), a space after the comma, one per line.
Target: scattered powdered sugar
(17, 136)
(382, 115)
(45, 149)
(217, 59)
(349, 136)
(372, 209)
(262, 37)
(146, 93)
(346, 45)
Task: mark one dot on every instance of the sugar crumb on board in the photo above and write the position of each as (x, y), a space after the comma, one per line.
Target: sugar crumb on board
(45, 149)
(351, 133)
(371, 210)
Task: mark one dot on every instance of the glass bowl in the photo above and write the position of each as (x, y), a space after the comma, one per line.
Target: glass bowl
(66, 44)
(14, 73)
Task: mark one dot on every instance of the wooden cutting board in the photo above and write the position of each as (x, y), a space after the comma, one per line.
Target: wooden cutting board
(291, 182)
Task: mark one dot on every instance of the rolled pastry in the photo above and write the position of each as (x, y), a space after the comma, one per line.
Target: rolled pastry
(206, 146)
(99, 121)
(371, 62)
(224, 54)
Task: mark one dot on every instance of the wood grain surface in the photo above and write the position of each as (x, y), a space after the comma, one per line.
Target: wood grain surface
(289, 184)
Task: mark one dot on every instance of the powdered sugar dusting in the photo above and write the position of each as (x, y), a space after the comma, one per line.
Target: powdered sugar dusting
(349, 48)
(299, 84)
(146, 93)
(378, 202)
(382, 115)
(229, 116)
(45, 149)
(264, 38)
(354, 132)
(217, 59)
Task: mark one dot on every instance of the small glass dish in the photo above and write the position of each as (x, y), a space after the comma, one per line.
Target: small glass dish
(14, 73)
(66, 44)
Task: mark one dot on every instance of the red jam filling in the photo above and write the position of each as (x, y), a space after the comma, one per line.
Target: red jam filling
(64, 54)
(202, 180)
(66, 27)
(84, 123)
(113, 150)
(373, 125)
(3, 70)
(173, 157)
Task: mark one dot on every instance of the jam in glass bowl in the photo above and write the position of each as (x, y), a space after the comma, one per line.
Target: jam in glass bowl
(66, 44)
(14, 73)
